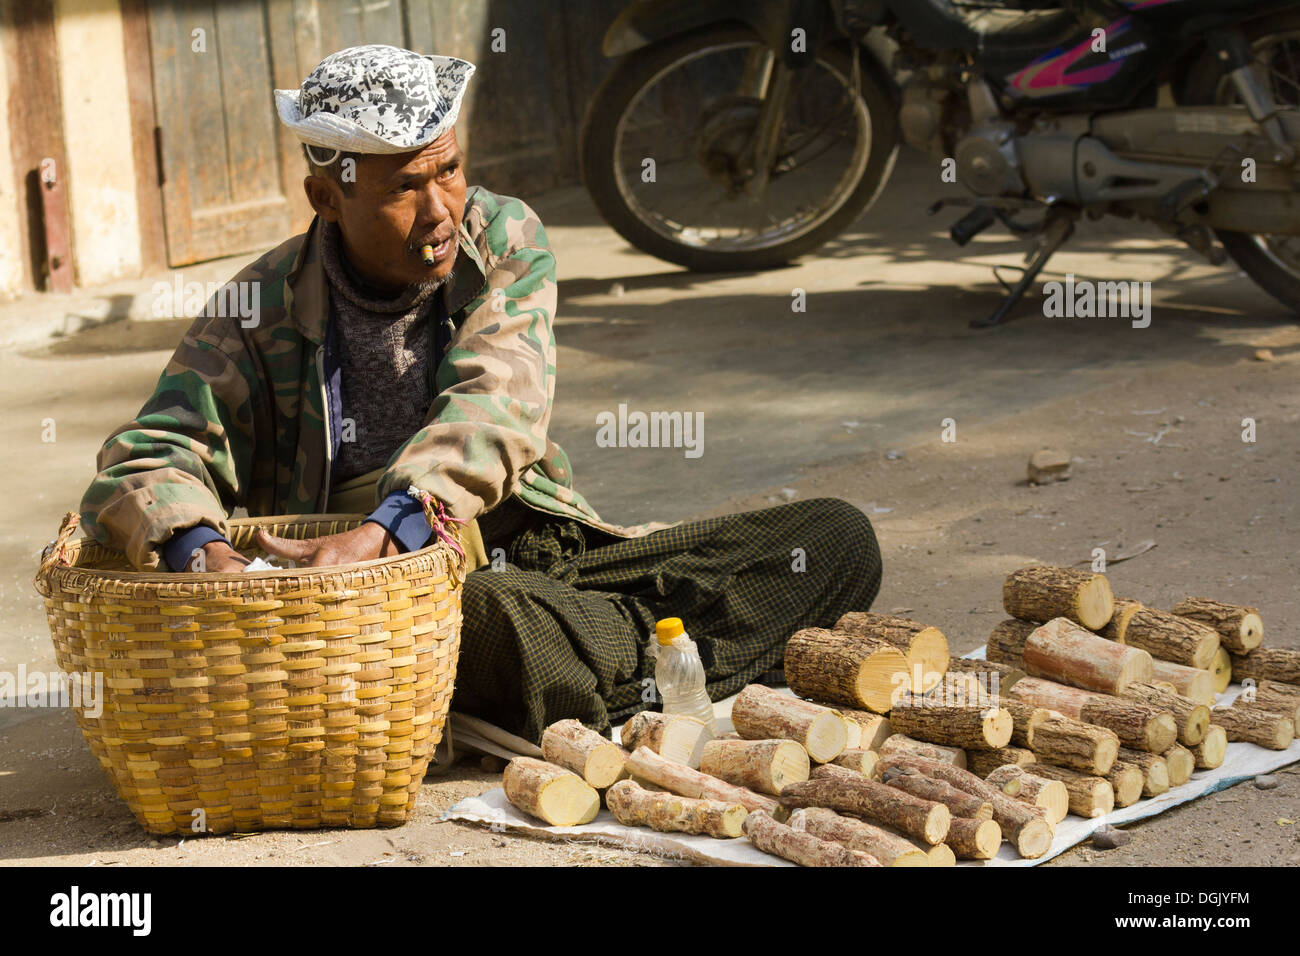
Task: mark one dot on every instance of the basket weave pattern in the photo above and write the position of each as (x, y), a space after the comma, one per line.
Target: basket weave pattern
(285, 699)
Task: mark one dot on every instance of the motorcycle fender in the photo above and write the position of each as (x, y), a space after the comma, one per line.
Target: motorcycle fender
(644, 22)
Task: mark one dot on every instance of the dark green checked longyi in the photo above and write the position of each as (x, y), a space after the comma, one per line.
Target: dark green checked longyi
(562, 630)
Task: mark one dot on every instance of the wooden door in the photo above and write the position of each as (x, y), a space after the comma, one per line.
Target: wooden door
(220, 162)
(232, 174)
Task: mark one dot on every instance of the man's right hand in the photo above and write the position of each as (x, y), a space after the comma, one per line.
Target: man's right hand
(216, 556)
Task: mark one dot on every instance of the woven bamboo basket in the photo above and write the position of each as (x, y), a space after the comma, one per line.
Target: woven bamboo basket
(250, 701)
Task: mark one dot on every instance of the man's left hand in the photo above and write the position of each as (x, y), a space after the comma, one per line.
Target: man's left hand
(365, 543)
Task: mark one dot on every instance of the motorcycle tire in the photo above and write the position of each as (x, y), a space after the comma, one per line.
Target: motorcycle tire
(637, 69)
(1201, 89)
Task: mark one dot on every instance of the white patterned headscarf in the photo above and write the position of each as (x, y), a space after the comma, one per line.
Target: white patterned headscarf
(375, 99)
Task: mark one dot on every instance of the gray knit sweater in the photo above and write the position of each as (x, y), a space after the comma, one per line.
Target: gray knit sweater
(383, 353)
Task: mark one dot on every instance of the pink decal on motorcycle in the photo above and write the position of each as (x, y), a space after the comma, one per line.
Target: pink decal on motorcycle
(1046, 75)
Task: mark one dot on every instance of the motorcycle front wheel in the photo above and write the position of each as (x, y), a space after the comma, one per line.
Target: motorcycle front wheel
(668, 140)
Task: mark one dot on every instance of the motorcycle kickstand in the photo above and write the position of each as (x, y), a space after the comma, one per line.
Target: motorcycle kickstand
(1054, 236)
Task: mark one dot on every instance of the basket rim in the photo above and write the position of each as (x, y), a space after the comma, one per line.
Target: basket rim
(438, 549)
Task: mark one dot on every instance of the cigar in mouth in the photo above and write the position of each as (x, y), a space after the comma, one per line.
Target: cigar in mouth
(426, 253)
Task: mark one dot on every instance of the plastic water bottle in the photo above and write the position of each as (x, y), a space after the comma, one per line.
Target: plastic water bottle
(679, 674)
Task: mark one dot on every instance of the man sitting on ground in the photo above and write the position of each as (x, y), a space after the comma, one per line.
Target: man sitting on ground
(380, 374)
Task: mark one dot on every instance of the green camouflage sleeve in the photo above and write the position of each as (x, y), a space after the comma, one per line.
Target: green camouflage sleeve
(185, 459)
(495, 384)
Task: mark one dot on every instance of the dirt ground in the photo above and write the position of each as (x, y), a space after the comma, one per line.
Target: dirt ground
(848, 401)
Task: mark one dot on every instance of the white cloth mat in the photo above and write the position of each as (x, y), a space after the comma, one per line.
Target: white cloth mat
(1242, 762)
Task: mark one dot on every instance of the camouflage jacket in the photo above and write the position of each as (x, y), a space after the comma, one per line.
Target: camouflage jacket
(242, 415)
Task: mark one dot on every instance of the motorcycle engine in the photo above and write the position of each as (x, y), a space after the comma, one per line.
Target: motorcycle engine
(987, 163)
(923, 115)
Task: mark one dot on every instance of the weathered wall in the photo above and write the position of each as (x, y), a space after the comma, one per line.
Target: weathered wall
(11, 241)
(97, 127)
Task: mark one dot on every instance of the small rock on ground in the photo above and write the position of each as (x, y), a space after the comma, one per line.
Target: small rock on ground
(1108, 838)
(1266, 781)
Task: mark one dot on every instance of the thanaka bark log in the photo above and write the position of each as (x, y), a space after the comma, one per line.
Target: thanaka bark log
(873, 729)
(677, 737)
(1280, 698)
(762, 765)
(959, 802)
(1181, 763)
(1240, 628)
(1006, 643)
(633, 805)
(553, 794)
(1041, 593)
(761, 713)
(857, 671)
(680, 779)
(1024, 826)
(1130, 781)
(1090, 795)
(1074, 744)
(995, 679)
(1191, 718)
(903, 744)
(595, 758)
(1209, 753)
(889, 848)
(1028, 787)
(924, 647)
(859, 761)
(1172, 638)
(1189, 681)
(983, 762)
(972, 839)
(1268, 663)
(923, 819)
(1062, 651)
(1253, 725)
(1117, 627)
(970, 726)
(802, 848)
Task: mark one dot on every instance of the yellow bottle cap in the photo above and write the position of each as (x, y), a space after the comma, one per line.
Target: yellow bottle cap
(668, 630)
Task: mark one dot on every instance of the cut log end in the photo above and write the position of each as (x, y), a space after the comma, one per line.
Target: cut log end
(1096, 603)
(827, 738)
(550, 793)
(862, 761)
(927, 659)
(674, 737)
(1221, 669)
(1189, 681)
(903, 744)
(1161, 733)
(849, 668)
(1034, 839)
(1209, 753)
(1180, 762)
(1130, 782)
(974, 839)
(942, 855)
(1027, 787)
(1040, 593)
(1240, 628)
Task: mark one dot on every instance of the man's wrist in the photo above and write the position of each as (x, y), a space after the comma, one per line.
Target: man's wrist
(402, 517)
(180, 547)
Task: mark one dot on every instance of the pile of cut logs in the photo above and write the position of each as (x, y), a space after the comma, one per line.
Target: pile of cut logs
(893, 753)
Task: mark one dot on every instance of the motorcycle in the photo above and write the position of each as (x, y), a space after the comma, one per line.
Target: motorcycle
(738, 136)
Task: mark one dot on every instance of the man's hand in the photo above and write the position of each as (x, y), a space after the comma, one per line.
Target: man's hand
(365, 543)
(216, 556)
